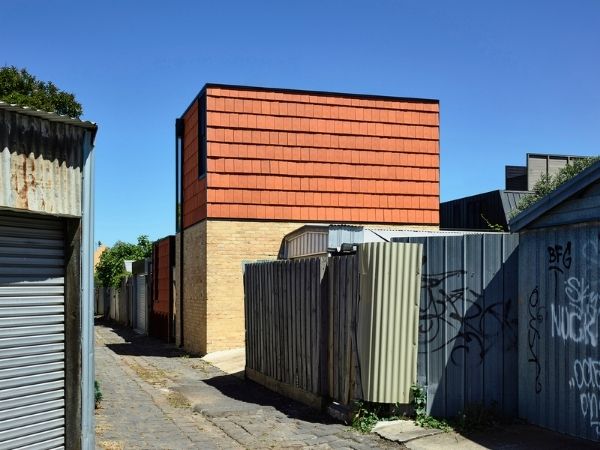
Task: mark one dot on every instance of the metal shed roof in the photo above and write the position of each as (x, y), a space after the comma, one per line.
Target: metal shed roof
(567, 190)
(51, 116)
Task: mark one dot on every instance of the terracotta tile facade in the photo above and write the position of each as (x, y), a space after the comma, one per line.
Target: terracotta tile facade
(318, 157)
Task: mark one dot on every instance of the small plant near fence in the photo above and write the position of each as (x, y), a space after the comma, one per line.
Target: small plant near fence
(97, 394)
(422, 419)
(474, 417)
(367, 414)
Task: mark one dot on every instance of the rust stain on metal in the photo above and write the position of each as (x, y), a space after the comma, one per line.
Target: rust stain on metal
(40, 165)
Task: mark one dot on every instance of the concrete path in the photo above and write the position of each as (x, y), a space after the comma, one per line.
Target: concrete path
(156, 397)
(514, 437)
(229, 361)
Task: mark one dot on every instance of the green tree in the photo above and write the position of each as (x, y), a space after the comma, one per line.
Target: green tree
(548, 183)
(110, 270)
(20, 87)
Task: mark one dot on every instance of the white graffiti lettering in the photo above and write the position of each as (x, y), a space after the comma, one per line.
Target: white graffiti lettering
(578, 320)
(586, 374)
(586, 380)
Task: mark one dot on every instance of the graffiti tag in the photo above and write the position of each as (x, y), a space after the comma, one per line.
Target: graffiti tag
(578, 320)
(586, 379)
(460, 314)
(533, 335)
(559, 257)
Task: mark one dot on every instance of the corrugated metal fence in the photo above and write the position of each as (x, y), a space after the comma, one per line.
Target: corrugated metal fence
(468, 322)
(387, 320)
(559, 355)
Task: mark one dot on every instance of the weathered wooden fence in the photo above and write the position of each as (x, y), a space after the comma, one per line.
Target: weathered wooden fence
(343, 292)
(285, 336)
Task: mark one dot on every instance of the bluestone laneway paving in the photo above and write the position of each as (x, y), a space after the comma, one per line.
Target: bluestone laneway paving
(156, 397)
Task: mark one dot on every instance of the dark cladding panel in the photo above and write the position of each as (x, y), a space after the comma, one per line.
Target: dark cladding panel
(516, 178)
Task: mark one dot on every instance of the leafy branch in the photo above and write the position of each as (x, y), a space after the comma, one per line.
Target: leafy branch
(110, 270)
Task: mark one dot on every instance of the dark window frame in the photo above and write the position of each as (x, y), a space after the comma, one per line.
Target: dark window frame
(179, 128)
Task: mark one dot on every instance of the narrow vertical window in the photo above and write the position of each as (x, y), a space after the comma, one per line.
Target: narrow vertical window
(202, 136)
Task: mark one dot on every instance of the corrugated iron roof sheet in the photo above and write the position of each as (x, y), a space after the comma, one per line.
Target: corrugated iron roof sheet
(51, 116)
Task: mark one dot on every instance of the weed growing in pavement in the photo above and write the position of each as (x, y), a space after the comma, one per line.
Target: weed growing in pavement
(422, 419)
(367, 414)
(177, 400)
(474, 417)
(97, 394)
(365, 417)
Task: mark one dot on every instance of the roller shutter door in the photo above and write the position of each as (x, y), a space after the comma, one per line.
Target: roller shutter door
(32, 338)
(141, 307)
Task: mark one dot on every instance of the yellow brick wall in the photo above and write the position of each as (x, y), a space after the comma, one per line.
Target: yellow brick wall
(194, 289)
(176, 299)
(229, 243)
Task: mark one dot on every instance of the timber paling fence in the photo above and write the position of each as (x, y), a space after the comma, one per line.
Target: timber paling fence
(306, 329)
(299, 323)
(310, 325)
(285, 329)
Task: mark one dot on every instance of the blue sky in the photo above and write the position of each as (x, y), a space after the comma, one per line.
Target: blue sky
(512, 77)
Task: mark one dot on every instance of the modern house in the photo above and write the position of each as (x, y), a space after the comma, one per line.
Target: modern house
(46, 280)
(485, 210)
(254, 164)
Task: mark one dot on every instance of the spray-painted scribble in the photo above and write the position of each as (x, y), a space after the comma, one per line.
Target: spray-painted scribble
(460, 313)
(586, 380)
(577, 321)
(533, 335)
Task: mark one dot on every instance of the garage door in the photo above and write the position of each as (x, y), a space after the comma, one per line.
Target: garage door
(32, 339)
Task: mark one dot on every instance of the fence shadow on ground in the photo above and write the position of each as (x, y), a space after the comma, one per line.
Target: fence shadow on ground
(249, 392)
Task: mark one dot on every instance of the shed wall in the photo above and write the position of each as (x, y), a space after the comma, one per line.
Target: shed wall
(559, 356)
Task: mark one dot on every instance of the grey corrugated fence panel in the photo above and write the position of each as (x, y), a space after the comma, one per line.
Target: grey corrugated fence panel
(387, 320)
(283, 321)
(559, 355)
(468, 322)
(343, 300)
